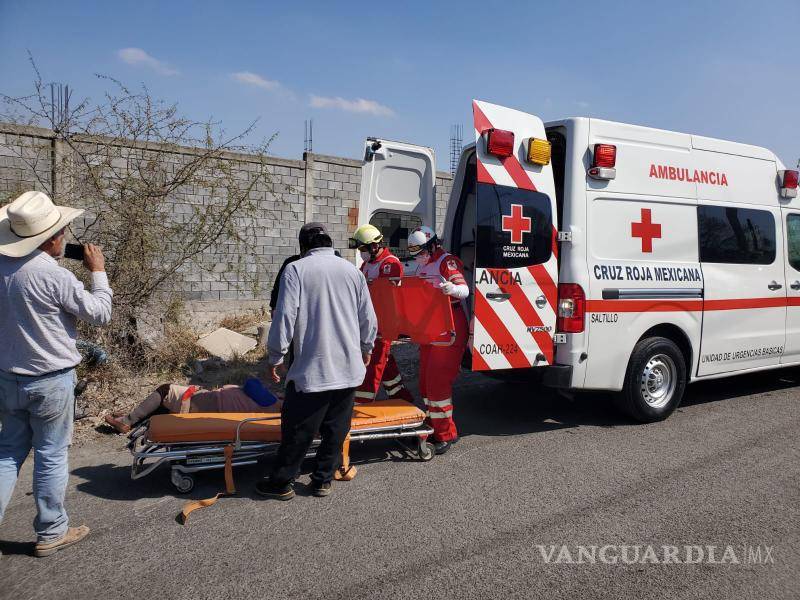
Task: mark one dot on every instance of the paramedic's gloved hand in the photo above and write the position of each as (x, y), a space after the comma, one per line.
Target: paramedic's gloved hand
(456, 291)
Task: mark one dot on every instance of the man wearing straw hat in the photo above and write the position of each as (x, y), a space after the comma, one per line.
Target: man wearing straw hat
(40, 304)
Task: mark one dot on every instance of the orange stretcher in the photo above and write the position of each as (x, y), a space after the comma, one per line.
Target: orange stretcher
(412, 307)
(193, 442)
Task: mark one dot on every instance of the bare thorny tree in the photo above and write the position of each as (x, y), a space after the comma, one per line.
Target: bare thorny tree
(138, 167)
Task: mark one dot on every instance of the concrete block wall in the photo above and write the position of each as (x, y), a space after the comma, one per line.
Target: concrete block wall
(317, 188)
(25, 160)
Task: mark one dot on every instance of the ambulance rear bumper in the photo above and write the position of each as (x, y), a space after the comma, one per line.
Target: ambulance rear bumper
(557, 376)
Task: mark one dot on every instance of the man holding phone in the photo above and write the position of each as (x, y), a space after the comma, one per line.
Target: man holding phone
(40, 304)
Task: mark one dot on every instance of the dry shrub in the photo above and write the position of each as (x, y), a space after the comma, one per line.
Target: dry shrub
(164, 194)
(241, 321)
(175, 352)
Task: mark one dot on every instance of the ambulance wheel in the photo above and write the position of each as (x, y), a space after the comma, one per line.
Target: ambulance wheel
(183, 483)
(425, 450)
(654, 382)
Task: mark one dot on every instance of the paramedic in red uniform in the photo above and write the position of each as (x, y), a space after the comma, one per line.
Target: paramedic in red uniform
(379, 262)
(439, 365)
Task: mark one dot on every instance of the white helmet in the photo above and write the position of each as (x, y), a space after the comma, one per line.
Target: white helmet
(422, 238)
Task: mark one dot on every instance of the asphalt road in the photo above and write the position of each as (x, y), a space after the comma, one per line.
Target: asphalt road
(531, 470)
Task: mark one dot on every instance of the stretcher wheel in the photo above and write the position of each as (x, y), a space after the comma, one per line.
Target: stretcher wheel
(424, 450)
(183, 483)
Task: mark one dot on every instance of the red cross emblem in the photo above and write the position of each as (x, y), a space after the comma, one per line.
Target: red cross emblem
(516, 224)
(646, 230)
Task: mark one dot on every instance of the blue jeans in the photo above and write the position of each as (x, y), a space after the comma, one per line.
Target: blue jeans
(37, 412)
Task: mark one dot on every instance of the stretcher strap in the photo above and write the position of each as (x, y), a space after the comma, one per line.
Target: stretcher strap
(346, 472)
(230, 489)
(187, 397)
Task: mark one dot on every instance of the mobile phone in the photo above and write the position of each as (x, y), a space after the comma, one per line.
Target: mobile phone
(74, 251)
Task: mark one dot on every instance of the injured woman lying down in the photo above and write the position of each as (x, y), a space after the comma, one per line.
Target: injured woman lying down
(252, 397)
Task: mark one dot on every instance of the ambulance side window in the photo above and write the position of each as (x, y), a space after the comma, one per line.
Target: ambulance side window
(793, 239)
(736, 235)
(514, 227)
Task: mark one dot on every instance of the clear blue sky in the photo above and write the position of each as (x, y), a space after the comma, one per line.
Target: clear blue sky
(408, 70)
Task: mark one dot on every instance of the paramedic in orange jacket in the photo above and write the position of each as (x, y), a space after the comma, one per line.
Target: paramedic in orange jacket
(379, 262)
(439, 365)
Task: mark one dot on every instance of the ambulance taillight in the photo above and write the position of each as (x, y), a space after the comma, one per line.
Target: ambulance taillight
(604, 161)
(499, 143)
(788, 183)
(571, 308)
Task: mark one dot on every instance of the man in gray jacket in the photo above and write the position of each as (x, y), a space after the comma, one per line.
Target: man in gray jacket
(324, 311)
(40, 304)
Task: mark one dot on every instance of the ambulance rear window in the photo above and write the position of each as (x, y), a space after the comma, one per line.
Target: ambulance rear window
(736, 235)
(395, 228)
(514, 227)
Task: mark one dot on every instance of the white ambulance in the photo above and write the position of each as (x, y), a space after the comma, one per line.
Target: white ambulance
(614, 257)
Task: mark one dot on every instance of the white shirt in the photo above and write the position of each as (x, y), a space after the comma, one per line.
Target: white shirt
(40, 304)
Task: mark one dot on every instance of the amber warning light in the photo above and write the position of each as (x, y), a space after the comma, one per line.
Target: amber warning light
(538, 151)
(604, 161)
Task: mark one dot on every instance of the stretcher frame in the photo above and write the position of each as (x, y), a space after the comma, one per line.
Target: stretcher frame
(187, 458)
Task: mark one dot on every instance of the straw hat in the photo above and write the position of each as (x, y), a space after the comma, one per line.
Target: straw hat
(31, 220)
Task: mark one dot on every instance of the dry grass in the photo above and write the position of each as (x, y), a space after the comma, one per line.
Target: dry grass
(240, 322)
(177, 351)
(122, 383)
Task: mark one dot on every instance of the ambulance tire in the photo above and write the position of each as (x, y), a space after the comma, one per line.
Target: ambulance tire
(654, 382)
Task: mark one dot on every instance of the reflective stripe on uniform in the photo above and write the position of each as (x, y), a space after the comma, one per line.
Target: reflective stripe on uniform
(394, 390)
(441, 415)
(392, 382)
(368, 395)
(441, 403)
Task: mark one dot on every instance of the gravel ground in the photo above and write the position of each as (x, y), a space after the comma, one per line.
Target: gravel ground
(531, 470)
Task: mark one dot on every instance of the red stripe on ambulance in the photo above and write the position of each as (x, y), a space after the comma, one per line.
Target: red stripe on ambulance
(478, 364)
(526, 311)
(518, 174)
(628, 306)
(483, 174)
(546, 284)
(502, 338)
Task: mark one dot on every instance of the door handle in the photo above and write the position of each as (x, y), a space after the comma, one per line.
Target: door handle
(795, 285)
(497, 296)
(774, 285)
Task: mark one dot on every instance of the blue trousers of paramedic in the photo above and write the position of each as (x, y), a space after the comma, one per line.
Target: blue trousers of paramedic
(36, 413)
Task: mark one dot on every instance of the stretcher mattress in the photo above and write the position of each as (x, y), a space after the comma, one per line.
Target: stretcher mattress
(221, 427)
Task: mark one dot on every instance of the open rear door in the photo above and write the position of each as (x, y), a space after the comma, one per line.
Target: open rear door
(516, 272)
(398, 190)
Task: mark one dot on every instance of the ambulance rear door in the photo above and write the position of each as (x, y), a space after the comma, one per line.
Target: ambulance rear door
(516, 271)
(398, 190)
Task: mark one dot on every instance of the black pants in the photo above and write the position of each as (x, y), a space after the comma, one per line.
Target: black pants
(302, 416)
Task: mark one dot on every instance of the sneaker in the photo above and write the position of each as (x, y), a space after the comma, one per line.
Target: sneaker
(442, 447)
(320, 489)
(73, 536)
(269, 489)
